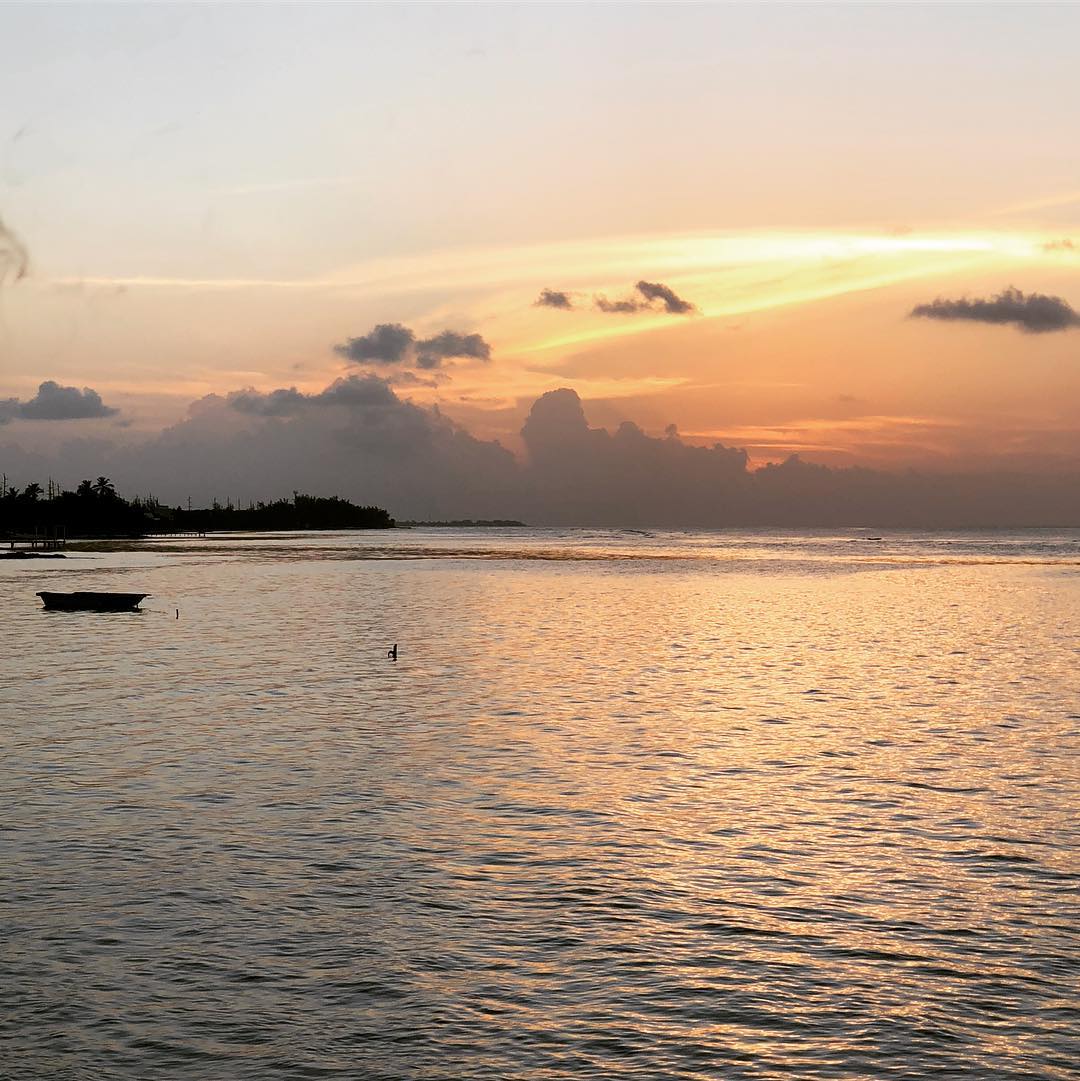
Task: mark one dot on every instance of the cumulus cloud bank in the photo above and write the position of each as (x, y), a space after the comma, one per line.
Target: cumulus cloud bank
(54, 402)
(355, 438)
(353, 390)
(395, 344)
(1034, 313)
(577, 474)
(358, 439)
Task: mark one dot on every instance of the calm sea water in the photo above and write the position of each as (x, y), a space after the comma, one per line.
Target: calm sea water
(655, 806)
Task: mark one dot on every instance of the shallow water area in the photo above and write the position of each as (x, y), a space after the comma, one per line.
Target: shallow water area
(670, 805)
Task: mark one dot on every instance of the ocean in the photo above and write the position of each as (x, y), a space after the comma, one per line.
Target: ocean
(748, 805)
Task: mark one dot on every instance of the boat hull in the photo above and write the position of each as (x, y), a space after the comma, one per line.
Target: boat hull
(92, 602)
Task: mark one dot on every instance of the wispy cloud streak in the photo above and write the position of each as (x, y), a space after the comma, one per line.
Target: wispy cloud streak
(14, 257)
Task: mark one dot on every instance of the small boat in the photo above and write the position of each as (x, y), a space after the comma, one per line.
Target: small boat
(92, 602)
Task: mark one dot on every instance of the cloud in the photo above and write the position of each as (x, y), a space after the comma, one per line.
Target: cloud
(358, 439)
(1034, 313)
(355, 438)
(1065, 244)
(54, 402)
(431, 352)
(646, 296)
(403, 377)
(554, 298)
(650, 296)
(285, 402)
(392, 343)
(619, 307)
(578, 474)
(654, 292)
(351, 392)
(358, 392)
(14, 258)
(388, 343)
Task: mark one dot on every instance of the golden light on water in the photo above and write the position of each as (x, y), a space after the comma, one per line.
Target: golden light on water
(753, 753)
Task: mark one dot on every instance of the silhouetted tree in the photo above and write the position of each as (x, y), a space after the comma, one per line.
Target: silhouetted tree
(96, 510)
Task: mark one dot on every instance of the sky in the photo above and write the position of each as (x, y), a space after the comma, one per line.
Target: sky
(847, 232)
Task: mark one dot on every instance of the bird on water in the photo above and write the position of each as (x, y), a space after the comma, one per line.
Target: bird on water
(392, 652)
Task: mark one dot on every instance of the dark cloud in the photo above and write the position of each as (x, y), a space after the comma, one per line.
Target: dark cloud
(654, 292)
(1034, 313)
(431, 352)
(650, 296)
(388, 343)
(351, 392)
(54, 402)
(618, 307)
(403, 377)
(554, 298)
(357, 391)
(578, 474)
(392, 343)
(14, 258)
(277, 403)
(357, 439)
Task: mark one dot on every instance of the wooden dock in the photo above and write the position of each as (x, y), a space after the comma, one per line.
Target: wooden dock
(48, 539)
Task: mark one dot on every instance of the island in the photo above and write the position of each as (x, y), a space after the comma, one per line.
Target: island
(466, 523)
(44, 519)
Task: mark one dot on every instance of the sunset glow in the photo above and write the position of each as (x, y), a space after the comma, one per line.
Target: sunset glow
(797, 268)
(539, 541)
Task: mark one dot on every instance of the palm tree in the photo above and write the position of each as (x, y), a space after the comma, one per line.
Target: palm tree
(85, 489)
(32, 492)
(104, 487)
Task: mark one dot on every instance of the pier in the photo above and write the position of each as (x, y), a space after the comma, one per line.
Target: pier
(48, 539)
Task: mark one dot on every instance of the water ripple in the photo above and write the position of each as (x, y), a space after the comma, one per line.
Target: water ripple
(813, 817)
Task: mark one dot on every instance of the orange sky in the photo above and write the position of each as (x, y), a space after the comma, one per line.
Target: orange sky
(795, 181)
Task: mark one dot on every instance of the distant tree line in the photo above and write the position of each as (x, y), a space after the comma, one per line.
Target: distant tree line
(95, 509)
(300, 512)
(468, 523)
